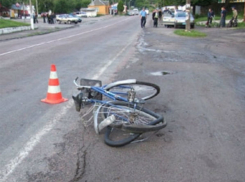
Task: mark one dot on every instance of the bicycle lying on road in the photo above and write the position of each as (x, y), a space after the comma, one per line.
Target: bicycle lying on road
(123, 115)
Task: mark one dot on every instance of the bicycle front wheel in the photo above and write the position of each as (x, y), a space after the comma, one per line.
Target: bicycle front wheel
(144, 90)
(130, 122)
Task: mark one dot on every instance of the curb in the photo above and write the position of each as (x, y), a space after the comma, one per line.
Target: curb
(29, 33)
(14, 29)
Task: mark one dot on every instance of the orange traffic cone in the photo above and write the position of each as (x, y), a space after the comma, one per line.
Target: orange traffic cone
(54, 95)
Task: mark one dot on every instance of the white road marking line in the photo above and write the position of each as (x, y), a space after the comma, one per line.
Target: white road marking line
(56, 40)
(24, 152)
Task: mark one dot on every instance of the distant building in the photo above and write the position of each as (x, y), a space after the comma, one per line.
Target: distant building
(4, 11)
(102, 7)
(113, 9)
(21, 11)
(90, 12)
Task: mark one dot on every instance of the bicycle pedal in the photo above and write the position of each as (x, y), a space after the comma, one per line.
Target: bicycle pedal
(78, 101)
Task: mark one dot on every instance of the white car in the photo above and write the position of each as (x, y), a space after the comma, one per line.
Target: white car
(81, 14)
(67, 19)
(177, 19)
(147, 11)
(180, 19)
(135, 11)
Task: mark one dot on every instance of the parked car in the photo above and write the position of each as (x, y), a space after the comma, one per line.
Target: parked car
(130, 12)
(147, 11)
(67, 19)
(79, 18)
(177, 19)
(168, 18)
(180, 19)
(135, 11)
(81, 14)
(44, 14)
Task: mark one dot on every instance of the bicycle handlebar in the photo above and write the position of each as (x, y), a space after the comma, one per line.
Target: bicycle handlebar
(80, 86)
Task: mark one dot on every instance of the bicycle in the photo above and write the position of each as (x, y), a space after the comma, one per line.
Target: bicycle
(124, 111)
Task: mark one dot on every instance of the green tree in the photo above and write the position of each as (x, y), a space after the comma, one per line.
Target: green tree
(142, 3)
(193, 2)
(85, 3)
(120, 7)
(46, 5)
(61, 6)
(7, 3)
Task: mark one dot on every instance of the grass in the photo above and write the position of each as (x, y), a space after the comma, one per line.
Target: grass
(192, 33)
(204, 18)
(215, 25)
(10, 23)
(217, 17)
(241, 25)
(99, 15)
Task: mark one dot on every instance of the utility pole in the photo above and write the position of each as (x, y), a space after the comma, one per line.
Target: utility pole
(188, 10)
(31, 16)
(24, 13)
(37, 8)
(244, 13)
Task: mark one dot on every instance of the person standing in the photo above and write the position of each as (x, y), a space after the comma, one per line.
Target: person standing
(36, 18)
(210, 17)
(143, 18)
(44, 17)
(155, 16)
(165, 10)
(52, 18)
(234, 17)
(160, 16)
(223, 16)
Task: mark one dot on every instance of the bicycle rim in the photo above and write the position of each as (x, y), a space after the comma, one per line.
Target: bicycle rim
(126, 113)
(144, 90)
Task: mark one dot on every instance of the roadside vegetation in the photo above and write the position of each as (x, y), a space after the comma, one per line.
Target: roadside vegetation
(201, 20)
(192, 33)
(10, 23)
(241, 25)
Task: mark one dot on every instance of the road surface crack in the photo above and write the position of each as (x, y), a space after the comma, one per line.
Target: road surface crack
(81, 162)
(81, 165)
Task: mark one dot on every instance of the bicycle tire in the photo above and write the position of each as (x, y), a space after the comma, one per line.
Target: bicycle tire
(119, 143)
(138, 88)
(122, 111)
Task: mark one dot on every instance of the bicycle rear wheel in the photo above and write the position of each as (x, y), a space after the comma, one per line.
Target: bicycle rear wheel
(144, 90)
(130, 122)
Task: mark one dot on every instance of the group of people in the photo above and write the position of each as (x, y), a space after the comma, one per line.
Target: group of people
(232, 23)
(48, 17)
(156, 16)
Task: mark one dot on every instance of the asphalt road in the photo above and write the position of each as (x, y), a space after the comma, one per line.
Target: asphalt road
(202, 98)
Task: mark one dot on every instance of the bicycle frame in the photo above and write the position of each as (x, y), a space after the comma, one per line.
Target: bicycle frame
(112, 95)
(102, 90)
(122, 111)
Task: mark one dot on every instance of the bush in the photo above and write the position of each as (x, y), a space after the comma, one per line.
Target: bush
(120, 7)
(192, 33)
(197, 16)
